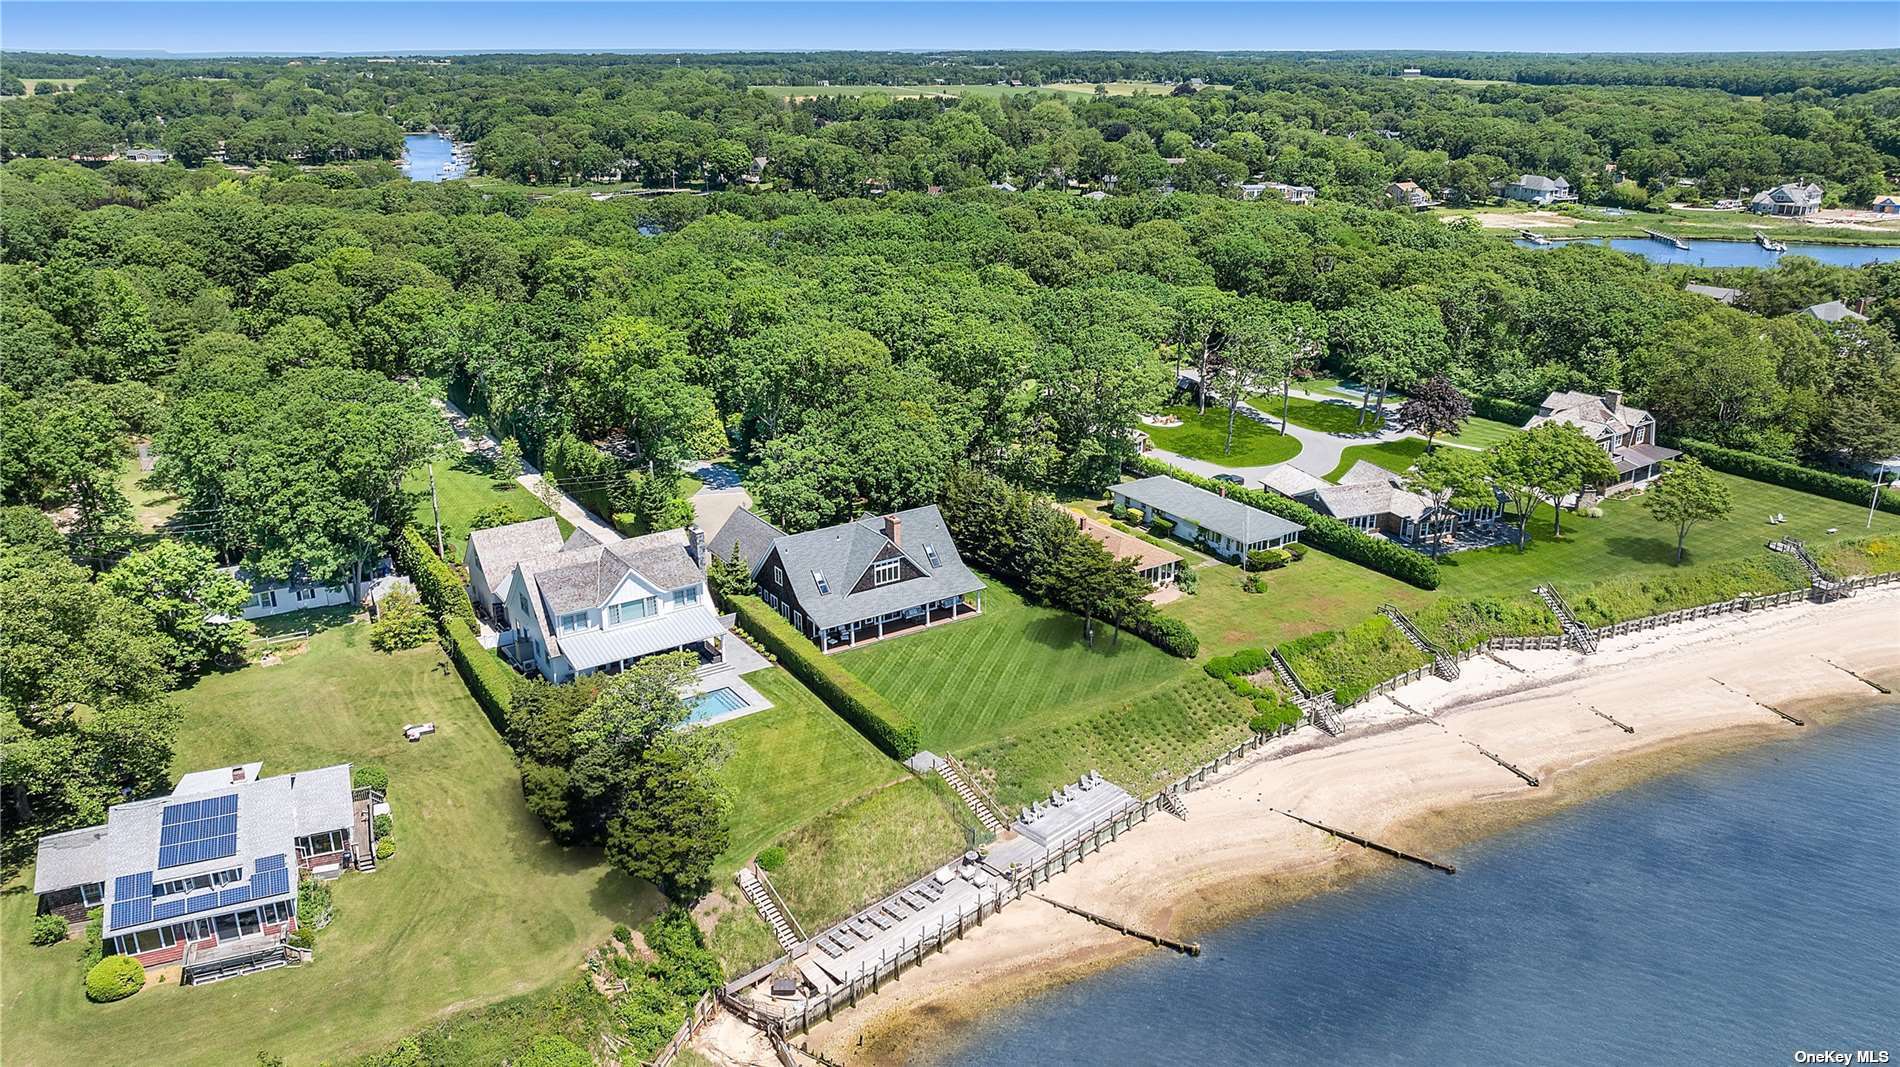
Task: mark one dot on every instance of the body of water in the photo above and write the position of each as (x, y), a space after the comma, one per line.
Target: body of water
(425, 155)
(1739, 253)
(1734, 913)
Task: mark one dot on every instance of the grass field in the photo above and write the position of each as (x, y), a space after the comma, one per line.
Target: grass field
(1341, 417)
(1009, 669)
(1394, 456)
(1204, 436)
(1626, 540)
(464, 489)
(476, 905)
(151, 507)
(1319, 592)
(789, 764)
(1483, 433)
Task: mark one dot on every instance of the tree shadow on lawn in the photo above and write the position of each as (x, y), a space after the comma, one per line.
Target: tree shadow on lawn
(1646, 550)
(1064, 634)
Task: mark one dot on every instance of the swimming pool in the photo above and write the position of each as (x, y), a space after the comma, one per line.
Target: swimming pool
(714, 704)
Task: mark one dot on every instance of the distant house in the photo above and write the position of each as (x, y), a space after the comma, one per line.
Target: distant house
(1155, 563)
(1887, 205)
(1292, 194)
(147, 155)
(1411, 72)
(1537, 189)
(1095, 194)
(1371, 498)
(207, 877)
(1626, 433)
(295, 593)
(1793, 199)
(1714, 292)
(1226, 528)
(1835, 311)
(1408, 194)
(864, 580)
(1002, 187)
(573, 607)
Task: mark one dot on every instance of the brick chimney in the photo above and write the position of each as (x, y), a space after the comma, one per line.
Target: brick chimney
(1613, 399)
(894, 529)
(696, 544)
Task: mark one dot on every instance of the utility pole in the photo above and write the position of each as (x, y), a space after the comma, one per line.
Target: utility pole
(435, 506)
(1872, 503)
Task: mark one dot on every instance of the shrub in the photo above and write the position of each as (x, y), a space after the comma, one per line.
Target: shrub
(1792, 475)
(114, 978)
(858, 704)
(384, 826)
(1247, 661)
(385, 848)
(1117, 512)
(1323, 532)
(1297, 551)
(1252, 584)
(436, 582)
(584, 472)
(496, 514)
(1161, 528)
(370, 776)
(301, 938)
(772, 858)
(49, 929)
(316, 905)
(402, 623)
(489, 680)
(1268, 559)
(95, 938)
(1188, 580)
(1456, 624)
(1136, 518)
(1165, 632)
(623, 933)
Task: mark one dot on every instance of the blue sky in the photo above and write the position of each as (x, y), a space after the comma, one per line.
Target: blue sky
(232, 27)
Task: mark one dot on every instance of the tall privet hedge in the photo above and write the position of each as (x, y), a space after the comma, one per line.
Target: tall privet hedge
(857, 703)
(1792, 475)
(436, 582)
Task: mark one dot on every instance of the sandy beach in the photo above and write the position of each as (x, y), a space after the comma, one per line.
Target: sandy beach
(1410, 778)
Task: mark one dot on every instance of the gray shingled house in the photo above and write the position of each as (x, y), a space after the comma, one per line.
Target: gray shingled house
(1537, 189)
(1627, 433)
(1224, 527)
(871, 578)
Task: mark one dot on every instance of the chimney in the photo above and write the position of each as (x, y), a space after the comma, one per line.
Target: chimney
(1613, 399)
(894, 529)
(696, 544)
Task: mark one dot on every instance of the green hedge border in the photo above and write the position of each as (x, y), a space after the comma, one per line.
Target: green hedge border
(1842, 487)
(437, 584)
(864, 708)
(1323, 532)
(490, 681)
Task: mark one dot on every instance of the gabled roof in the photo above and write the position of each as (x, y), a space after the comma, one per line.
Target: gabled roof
(1210, 511)
(843, 553)
(748, 533)
(1363, 472)
(1288, 480)
(496, 550)
(581, 573)
(1791, 193)
(1370, 498)
(73, 858)
(1541, 184)
(1126, 546)
(1836, 311)
(1588, 412)
(1716, 292)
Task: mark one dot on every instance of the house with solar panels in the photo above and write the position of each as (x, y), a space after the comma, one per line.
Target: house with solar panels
(206, 878)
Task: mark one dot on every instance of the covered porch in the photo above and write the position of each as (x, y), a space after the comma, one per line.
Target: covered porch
(614, 649)
(898, 623)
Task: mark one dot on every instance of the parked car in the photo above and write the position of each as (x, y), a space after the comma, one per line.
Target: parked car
(1232, 479)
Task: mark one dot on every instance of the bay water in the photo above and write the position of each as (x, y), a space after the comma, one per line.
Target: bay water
(1738, 912)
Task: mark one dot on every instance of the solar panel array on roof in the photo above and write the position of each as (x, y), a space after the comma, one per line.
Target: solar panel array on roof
(197, 830)
(131, 899)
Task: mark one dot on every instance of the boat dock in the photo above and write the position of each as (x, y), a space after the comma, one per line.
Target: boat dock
(1534, 238)
(1771, 246)
(1677, 242)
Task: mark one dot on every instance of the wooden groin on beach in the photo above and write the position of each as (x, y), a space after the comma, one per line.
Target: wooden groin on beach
(1868, 682)
(1611, 719)
(1366, 842)
(1186, 948)
(1797, 720)
(1528, 777)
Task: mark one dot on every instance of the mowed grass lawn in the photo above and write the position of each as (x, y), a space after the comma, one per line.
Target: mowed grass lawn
(789, 764)
(1394, 456)
(1320, 592)
(152, 507)
(464, 490)
(1341, 416)
(476, 905)
(1483, 433)
(1626, 540)
(1204, 436)
(1008, 669)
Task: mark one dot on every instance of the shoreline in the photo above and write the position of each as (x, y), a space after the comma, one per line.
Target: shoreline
(1691, 691)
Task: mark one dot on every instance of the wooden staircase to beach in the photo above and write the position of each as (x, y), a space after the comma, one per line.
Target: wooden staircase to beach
(1442, 665)
(1575, 632)
(766, 902)
(1825, 585)
(952, 772)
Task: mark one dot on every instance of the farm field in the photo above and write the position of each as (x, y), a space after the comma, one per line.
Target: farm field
(468, 847)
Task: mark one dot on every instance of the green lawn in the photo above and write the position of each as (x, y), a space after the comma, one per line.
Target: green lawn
(1340, 417)
(789, 764)
(1320, 592)
(1204, 437)
(476, 905)
(1627, 540)
(1483, 433)
(152, 507)
(463, 490)
(1394, 456)
(1012, 667)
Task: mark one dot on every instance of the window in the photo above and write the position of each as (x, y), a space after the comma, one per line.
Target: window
(930, 553)
(778, 577)
(818, 579)
(887, 572)
(683, 597)
(631, 610)
(306, 592)
(197, 882)
(573, 620)
(264, 599)
(149, 940)
(93, 894)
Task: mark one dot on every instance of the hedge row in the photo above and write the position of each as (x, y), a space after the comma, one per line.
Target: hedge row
(436, 582)
(1323, 532)
(1792, 475)
(1498, 409)
(858, 704)
(490, 681)
(1165, 632)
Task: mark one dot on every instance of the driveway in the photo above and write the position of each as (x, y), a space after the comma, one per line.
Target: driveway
(566, 506)
(719, 495)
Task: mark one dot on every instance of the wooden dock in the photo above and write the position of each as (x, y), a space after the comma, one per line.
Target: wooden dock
(1534, 238)
(1678, 243)
(1366, 842)
(1768, 245)
(1186, 948)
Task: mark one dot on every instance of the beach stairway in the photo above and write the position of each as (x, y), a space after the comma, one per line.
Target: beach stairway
(1824, 584)
(1171, 802)
(1284, 672)
(952, 772)
(1442, 665)
(1324, 711)
(767, 904)
(1575, 632)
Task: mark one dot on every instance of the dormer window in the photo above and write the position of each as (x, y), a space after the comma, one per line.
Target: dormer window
(887, 572)
(631, 610)
(818, 579)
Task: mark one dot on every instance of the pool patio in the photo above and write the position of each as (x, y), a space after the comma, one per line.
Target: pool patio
(704, 695)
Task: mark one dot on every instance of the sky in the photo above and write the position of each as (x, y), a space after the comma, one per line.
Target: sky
(228, 27)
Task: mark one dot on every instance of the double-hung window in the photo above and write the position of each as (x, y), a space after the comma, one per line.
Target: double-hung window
(306, 592)
(683, 597)
(573, 620)
(887, 572)
(631, 610)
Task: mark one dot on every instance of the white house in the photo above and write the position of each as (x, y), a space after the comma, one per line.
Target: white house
(1225, 527)
(573, 607)
(296, 593)
(1793, 199)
